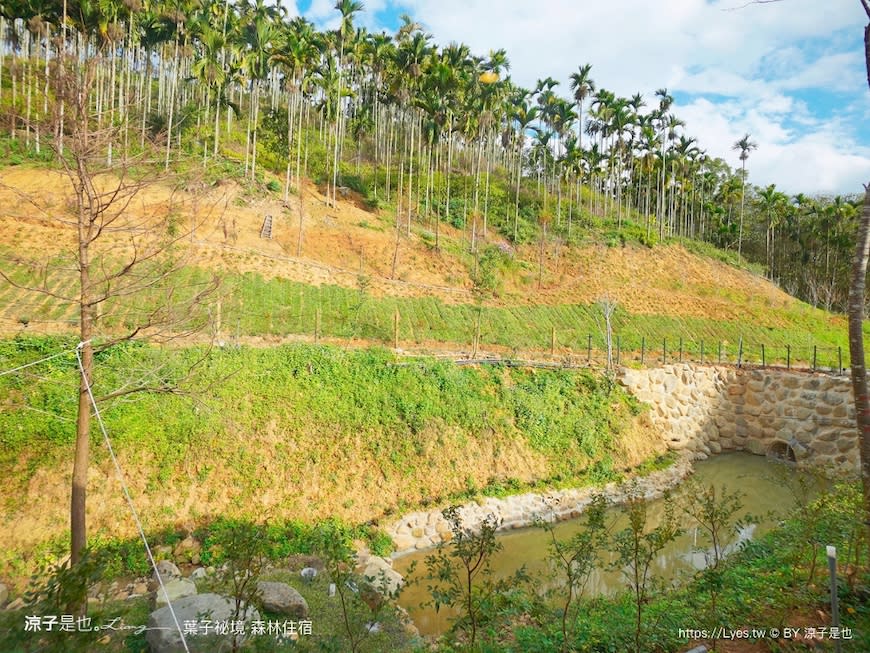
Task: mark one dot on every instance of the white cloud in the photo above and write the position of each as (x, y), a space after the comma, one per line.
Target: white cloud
(325, 16)
(839, 72)
(290, 7)
(822, 160)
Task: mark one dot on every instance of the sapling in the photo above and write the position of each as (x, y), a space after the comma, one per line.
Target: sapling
(576, 558)
(243, 548)
(362, 601)
(637, 546)
(715, 513)
(462, 574)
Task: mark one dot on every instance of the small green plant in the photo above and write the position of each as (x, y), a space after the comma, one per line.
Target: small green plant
(637, 547)
(574, 560)
(62, 589)
(461, 577)
(273, 186)
(244, 548)
(715, 514)
(363, 602)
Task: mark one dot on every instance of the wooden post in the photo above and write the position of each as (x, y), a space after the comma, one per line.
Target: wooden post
(589, 349)
(740, 351)
(396, 319)
(815, 356)
(316, 325)
(839, 360)
(642, 349)
(788, 357)
(553, 341)
(476, 342)
(763, 361)
(664, 351)
(681, 349)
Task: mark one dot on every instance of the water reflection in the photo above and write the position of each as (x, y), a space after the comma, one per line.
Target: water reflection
(768, 495)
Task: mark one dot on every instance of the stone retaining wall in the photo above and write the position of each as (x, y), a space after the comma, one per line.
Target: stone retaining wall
(422, 530)
(702, 410)
(706, 410)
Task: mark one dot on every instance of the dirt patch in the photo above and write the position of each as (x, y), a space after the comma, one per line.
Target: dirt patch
(341, 244)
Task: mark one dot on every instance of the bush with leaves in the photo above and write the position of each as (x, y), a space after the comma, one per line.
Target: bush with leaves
(637, 546)
(243, 548)
(715, 512)
(55, 592)
(574, 559)
(364, 602)
(461, 577)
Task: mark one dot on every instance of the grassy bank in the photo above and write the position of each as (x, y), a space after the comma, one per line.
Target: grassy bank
(294, 433)
(254, 306)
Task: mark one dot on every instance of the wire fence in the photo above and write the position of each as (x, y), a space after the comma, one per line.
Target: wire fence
(481, 347)
(251, 307)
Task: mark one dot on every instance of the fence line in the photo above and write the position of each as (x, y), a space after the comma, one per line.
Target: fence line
(401, 331)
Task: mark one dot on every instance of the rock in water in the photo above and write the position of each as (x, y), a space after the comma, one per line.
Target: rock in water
(163, 636)
(382, 577)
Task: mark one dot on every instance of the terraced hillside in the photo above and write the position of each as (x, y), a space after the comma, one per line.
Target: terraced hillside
(337, 281)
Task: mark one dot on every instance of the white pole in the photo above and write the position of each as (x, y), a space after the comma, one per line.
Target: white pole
(835, 609)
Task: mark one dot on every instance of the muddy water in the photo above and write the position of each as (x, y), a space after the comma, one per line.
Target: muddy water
(767, 495)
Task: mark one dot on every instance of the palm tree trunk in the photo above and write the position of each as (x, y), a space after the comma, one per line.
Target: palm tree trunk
(171, 102)
(742, 203)
(517, 194)
(410, 171)
(256, 109)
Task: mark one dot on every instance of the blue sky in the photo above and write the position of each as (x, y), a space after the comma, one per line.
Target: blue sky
(790, 73)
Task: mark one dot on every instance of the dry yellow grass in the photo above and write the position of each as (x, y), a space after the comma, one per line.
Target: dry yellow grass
(343, 242)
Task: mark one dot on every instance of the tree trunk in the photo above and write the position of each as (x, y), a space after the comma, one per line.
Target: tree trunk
(78, 530)
(856, 348)
(856, 320)
(78, 522)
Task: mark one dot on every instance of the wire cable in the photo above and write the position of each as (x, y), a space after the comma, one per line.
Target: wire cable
(120, 474)
(41, 360)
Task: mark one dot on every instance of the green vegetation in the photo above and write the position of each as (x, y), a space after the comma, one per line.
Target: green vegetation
(247, 556)
(566, 414)
(322, 443)
(288, 414)
(461, 578)
(768, 583)
(254, 306)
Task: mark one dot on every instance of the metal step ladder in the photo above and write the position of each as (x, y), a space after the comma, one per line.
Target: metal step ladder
(266, 231)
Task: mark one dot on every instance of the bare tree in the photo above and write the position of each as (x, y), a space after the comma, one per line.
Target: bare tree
(119, 257)
(608, 307)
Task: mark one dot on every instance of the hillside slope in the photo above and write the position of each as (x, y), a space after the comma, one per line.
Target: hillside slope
(340, 244)
(296, 432)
